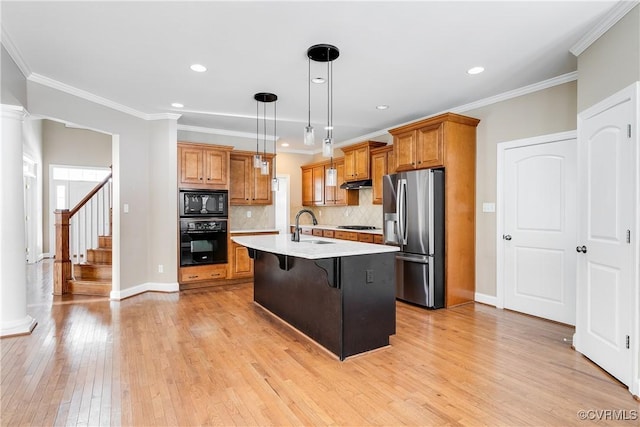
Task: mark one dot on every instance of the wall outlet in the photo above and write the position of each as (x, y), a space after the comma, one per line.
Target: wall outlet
(125, 208)
(160, 268)
(369, 276)
(248, 214)
(319, 213)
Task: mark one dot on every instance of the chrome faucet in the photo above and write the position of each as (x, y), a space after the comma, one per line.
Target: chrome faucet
(296, 231)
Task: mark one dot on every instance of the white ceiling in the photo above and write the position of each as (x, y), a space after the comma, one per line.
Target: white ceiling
(412, 56)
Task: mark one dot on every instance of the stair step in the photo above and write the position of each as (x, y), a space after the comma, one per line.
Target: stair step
(87, 271)
(104, 242)
(90, 287)
(99, 256)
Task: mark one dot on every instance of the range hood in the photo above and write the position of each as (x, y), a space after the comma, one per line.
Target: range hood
(355, 185)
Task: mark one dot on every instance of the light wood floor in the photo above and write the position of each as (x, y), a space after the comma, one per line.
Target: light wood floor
(213, 357)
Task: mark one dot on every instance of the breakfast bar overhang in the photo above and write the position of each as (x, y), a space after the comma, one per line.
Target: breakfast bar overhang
(340, 294)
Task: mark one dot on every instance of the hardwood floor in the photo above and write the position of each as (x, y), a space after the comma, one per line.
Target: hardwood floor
(210, 356)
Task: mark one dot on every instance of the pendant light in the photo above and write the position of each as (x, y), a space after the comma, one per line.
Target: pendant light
(309, 137)
(275, 184)
(258, 160)
(324, 53)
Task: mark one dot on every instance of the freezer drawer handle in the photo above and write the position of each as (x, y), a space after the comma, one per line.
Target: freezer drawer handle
(424, 260)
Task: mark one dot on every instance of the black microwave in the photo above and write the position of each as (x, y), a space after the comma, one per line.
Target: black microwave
(198, 203)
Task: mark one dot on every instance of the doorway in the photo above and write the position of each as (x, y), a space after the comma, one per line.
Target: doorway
(282, 204)
(537, 226)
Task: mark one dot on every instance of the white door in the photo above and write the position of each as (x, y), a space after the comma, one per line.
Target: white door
(606, 155)
(540, 230)
(282, 204)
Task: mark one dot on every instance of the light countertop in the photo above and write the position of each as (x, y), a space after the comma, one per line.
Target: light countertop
(254, 231)
(335, 227)
(282, 244)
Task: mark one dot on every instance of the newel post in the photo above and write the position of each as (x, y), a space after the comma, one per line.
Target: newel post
(62, 263)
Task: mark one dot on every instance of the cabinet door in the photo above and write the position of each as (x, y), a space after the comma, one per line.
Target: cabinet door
(349, 165)
(191, 162)
(378, 170)
(318, 185)
(391, 162)
(261, 194)
(404, 145)
(307, 187)
(429, 147)
(361, 162)
(340, 194)
(240, 179)
(215, 168)
(241, 265)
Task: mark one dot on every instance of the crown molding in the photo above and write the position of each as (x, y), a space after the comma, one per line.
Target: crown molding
(611, 18)
(525, 90)
(13, 51)
(63, 87)
(224, 132)
(16, 112)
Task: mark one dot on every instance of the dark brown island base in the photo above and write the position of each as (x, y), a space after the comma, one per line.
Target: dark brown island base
(346, 303)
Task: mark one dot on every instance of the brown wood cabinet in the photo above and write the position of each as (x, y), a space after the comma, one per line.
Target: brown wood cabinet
(203, 273)
(449, 141)
(203, 166)
(316, 193)
(420, 148)
(382, 163)
(357, 160)
(247, 185)
(240, 264)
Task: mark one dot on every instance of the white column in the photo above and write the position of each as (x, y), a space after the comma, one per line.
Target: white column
(14, 319)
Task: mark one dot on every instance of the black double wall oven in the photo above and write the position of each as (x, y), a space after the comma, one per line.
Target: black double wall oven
(203, 227)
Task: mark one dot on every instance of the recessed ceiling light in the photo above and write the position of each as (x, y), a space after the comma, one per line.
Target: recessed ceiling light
(382, 107)
(198, 68)
(328, 128)
(318, 80)
(177, 105)
(284, 144)
(475, 70)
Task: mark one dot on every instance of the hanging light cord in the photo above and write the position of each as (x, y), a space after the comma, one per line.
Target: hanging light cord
(275, 124)
(264, 143)
(309, 89)
(257, 128)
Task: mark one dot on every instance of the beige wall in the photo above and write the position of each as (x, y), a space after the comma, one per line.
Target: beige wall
(548, 111)
(611, 63)
(71, 147)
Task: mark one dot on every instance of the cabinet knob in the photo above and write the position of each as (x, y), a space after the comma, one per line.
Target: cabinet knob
(420, 162)
(200, 178)
(208, 179)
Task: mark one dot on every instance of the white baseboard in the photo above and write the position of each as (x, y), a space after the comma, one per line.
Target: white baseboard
(145, 287)
(486, 299)
(18, 327)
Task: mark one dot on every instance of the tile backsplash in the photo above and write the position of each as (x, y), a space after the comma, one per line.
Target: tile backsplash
(263, 217)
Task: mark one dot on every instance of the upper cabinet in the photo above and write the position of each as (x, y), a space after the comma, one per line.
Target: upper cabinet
(247, 185)
(316, 193)
(382, 163)
(357, 160)
(428, 143)
(203, 166)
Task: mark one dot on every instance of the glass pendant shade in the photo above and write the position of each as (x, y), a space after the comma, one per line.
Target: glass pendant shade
(275, 184)
(257, 161)
(331, 178)
(309, 137)
(327, 147)
(264, 168)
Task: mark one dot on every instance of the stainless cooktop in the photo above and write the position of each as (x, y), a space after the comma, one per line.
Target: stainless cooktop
(357, 227)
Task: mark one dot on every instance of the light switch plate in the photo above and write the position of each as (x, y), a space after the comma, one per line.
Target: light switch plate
(488, 207)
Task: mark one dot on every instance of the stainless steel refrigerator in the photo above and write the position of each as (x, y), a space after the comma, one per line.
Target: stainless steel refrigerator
(413, 206)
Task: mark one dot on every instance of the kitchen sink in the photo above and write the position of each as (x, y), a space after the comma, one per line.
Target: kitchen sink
(317, 242)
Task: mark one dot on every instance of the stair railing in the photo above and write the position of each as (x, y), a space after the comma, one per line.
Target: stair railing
(78, 229)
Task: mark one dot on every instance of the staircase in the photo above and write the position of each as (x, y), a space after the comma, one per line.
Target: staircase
(94, 276)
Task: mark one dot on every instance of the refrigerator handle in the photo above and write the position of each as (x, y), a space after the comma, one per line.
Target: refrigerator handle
(431, 213)
(401, 208)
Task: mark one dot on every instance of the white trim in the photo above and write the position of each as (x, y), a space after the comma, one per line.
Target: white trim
(16, 112)
(63, 87)
(18, 327)
(145, 287)
(224, 132)
(44, 255)
(13, 51)
(500, 153)
(616, 13)
(486, 299)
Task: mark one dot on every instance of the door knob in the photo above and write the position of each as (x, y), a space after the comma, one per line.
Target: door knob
(582, 249)
(506, 236)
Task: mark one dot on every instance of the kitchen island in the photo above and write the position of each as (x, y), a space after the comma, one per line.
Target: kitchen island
(339, 293)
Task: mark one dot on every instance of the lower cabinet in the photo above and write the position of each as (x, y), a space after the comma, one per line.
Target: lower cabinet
(240, 265)
(203, 273)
